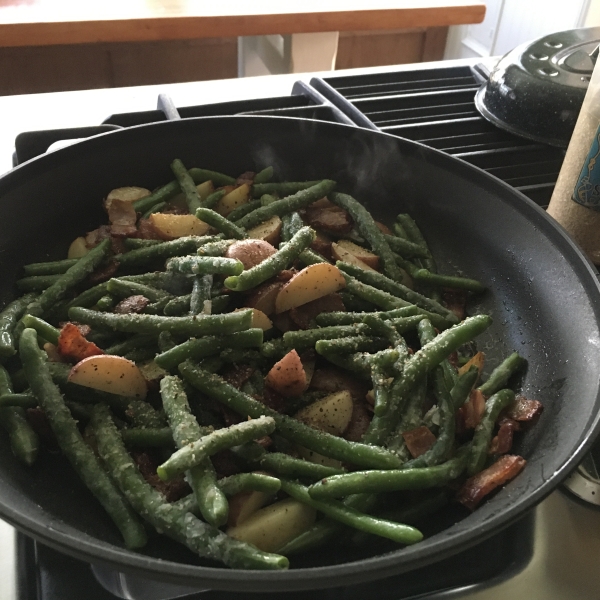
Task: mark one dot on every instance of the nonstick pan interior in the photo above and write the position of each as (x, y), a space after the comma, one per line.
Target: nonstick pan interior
(543, 296)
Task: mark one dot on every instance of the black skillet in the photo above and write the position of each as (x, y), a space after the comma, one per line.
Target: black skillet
(544, 298)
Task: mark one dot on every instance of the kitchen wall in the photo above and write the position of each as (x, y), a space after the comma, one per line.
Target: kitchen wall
(509, 23)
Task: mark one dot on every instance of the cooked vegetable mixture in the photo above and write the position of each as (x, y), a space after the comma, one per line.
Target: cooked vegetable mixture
(254, 368)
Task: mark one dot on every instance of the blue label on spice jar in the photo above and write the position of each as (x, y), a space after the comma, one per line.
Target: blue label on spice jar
(587, 188)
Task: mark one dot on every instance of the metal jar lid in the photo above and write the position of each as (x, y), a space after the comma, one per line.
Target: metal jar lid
(536, 90)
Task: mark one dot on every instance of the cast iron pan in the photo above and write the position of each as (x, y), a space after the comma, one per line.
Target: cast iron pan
(544, 298)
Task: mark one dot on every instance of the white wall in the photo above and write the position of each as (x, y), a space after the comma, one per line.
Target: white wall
(509, 23)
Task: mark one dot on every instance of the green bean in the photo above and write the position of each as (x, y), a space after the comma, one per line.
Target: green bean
(281, 189)
(218, 179)
(143, 414)
(217, 248)
(206, 325)
(147, 437)
(502, 373)
(90, 297)
(200, 298)
(153, 209)
(310, 257)
(378, 481)
(484, 430)
(399, 231)
(9, 317)
(165, 341)
(135, 243)
(307, 338)
(412, 416)
(413, 233)
(263, 176)
(36, 283)
(225, 226)
(298, 200)
(397, 289)
(284, 464)
(106, 303)
(358, 363)
(179, 247)
(201, 477)
(403, 534)
(213, 199)
(325, 529)
(198, 348)
(178, 306)
(424, 360)
(205, 265)
(123, 289)
(269, 267)
(350, 345)
(49, 268)
(427, 334)
(291, 224)
(196, 452)
(243, 482)
(463, 386)
(179, 524)
(133, 343)
(72, 445)
(24, 400)
(347, 318)
(405, 248)
(381, 386)
(383, 329)
(242, 210)
(267, 199)
(356, 304)
(187, 185)
(293, 430)
(76, 274)
(366, 227)
(448, 281)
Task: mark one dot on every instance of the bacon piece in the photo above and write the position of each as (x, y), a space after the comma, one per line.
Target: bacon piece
(335, 219)
(323, 203)
(473, 409)
(418, 440)
(502, 441)
(247, 177)
(93, 238)
(237, 375)
(72, 345)
(383, 228)
(477, 487)
(524, 409)
(83, 329)
(285, 275)
(359, 422)
(172, 490)
(131, 305)
(147, 231)
(104, 273)
(305, 314)
(122, 217)
(274, 400)
(456, 301)
(283, 322)
(322, 245)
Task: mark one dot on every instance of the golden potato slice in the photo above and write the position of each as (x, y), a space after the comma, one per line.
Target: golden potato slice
(126, 194)
(263, 297)
(272, 527)
(268, 231)
(314, 281)
(110, 373)
(340, 253)
(331, 414)
(78, 248)
(238, 196)
(205, 189)
(287, 376)
(244, 505)
(372, 260)
(259, 319)
(250, 252)
(176, 226)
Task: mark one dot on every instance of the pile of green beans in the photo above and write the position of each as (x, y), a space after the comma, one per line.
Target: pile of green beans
(192, 336)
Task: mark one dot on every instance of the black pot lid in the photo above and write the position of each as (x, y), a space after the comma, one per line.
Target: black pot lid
(536, 90)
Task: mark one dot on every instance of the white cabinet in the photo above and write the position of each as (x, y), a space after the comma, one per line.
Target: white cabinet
(509, 23)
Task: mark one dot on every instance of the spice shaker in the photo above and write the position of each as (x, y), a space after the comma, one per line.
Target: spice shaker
(575, 202)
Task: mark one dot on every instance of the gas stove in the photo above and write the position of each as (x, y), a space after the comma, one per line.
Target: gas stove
(551, 552)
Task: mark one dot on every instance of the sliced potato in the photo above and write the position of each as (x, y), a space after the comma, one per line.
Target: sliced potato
(205, 189)
(110, 373)
(272, 527)
(287, 376)
(331, 414)
(384, 228)
(176, 226)
(361, 253)
(126, 194)
(250, 252)
(263, 297)
(78, 248)
(340, 253)
(238, 196)
(315, 281)
(259, 319)
(244, 505)
(268, 231)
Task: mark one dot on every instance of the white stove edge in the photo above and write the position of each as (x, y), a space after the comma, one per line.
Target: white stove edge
(567, 535)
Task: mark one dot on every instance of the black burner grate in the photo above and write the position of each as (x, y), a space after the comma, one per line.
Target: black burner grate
(436, 107)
